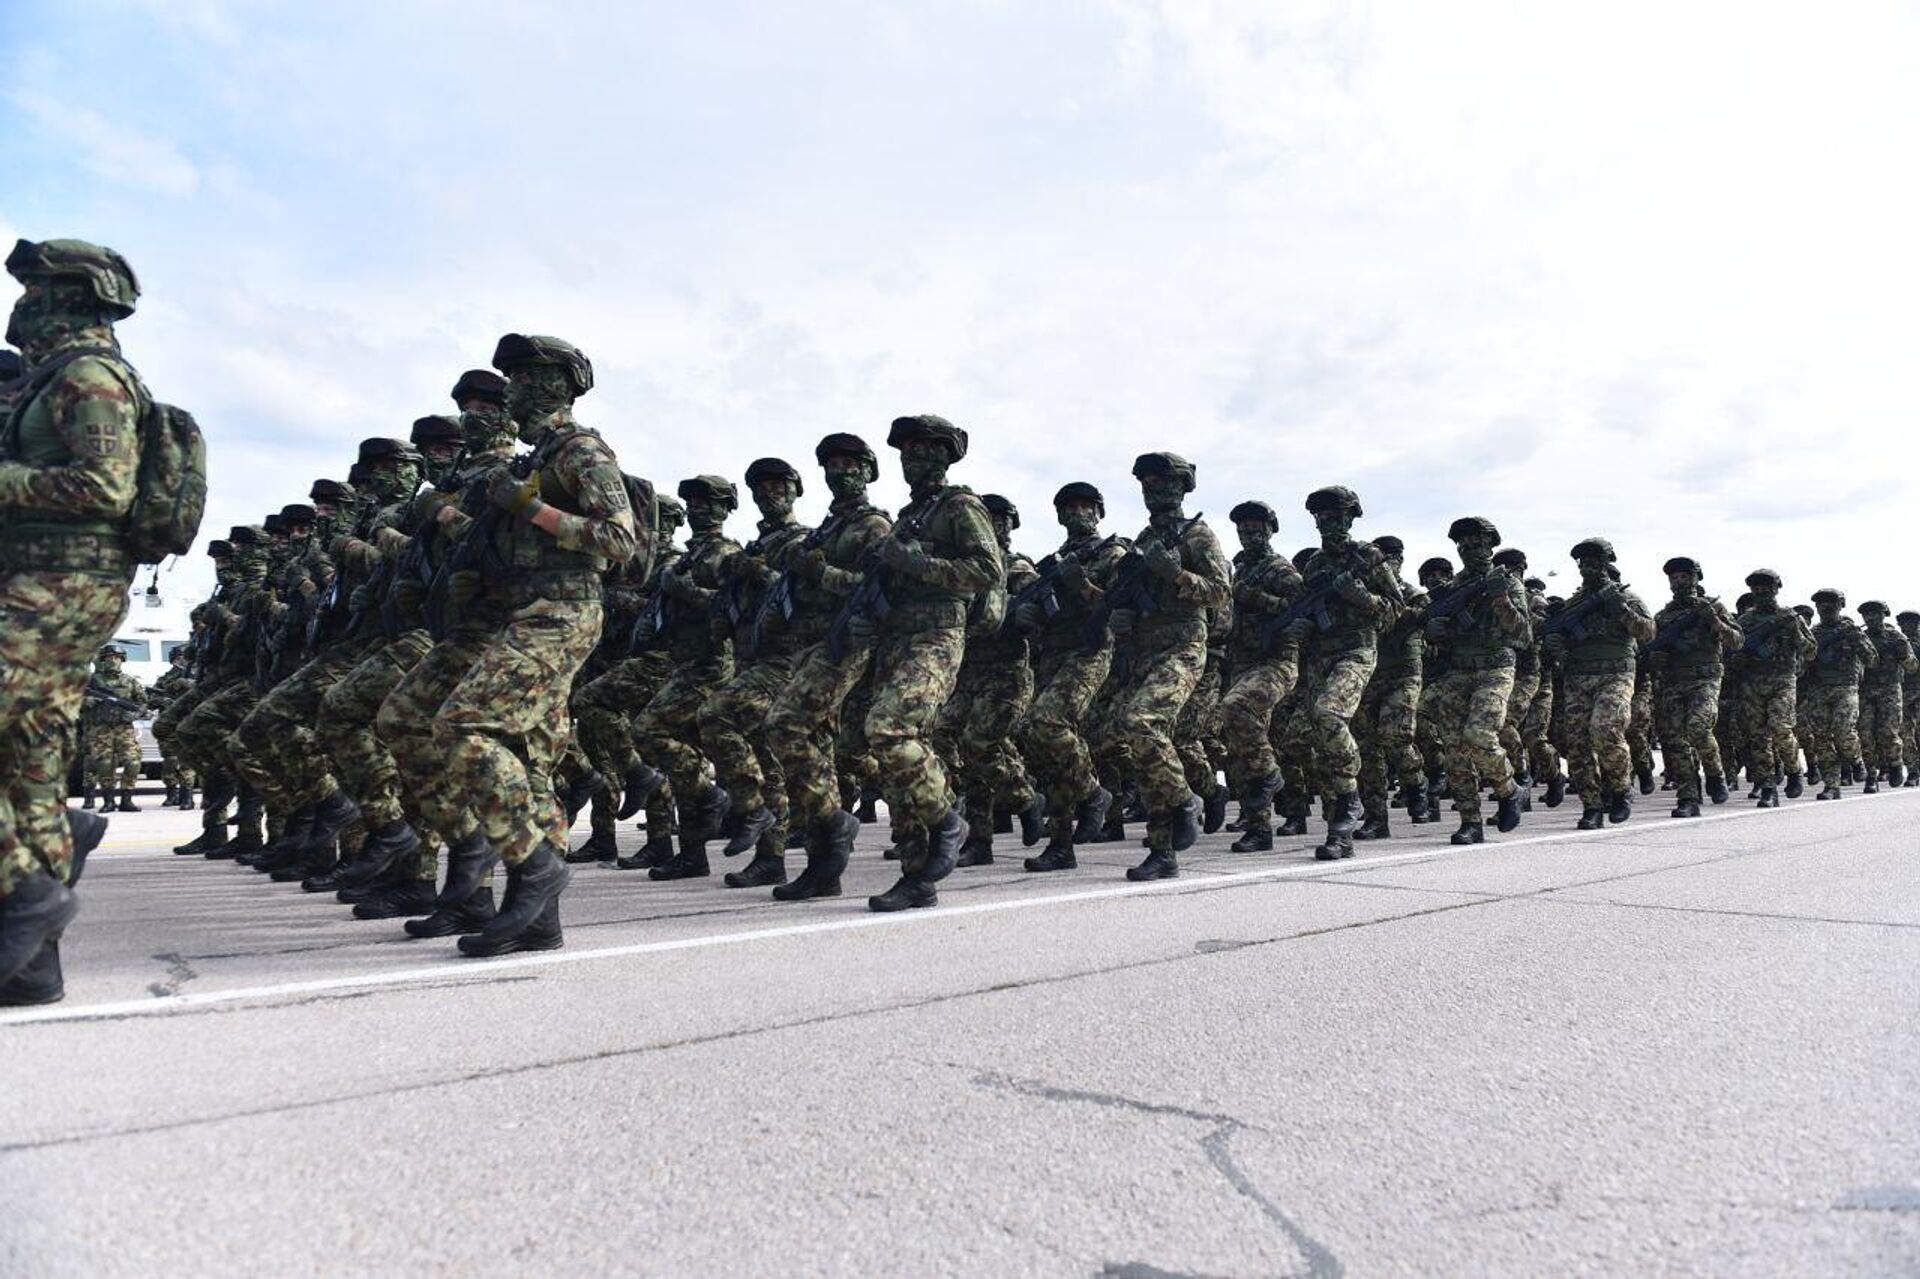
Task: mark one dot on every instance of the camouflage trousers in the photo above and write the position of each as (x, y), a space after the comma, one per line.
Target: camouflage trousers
(1383, 728)
(113, 757)
(1335, 683)
(804, 727)
(604, 709)
(51, 625)
(1052, 734)
(1598, 705)
(1513, 733)
(732, 732)
(1911, 736)
(1880, 726)
(275, 748)
(974, 734)
(1688, 708)
(1641, 728)
(667, 733)
(1831, 728)
(505, 724)
(174, 773)
(1246, 718)
(1768, 714)
(1726, 725)
(1463, 711)
(913, 675)
(166, 725)
(348, 731)
(1196, 733)
(405, 726)
(208, 732)
(1536, 731)
(1165, 669)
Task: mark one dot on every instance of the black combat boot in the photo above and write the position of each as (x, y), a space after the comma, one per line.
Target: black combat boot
(468, 862)
(657, 851)
(1686, 808)
(40, 982)
(1090, 816)
(829, 849)
(1258, 836)
(1057, 855)
(1873, 781)
(748, 829)
(126, 804)
(312, 862)
(529, 915)
(1591, 819)
(797, 840)
(580, 792)
(210, 840)
(250, 838)
(867, 814)
(1161, 863)
(944, 842)
(689, 863)
(1214, 809)
(1829, 791)
(977, 851)
(385, 847)
(1619, 807)
(1508, 816)
(403, 900)
(636, 788)
(1556, 790)
(1770, 796)
(1847, 775)
(1183, 823)
(1419, 805)
(1896, 777)
(37, 910)
(1796, 785)
(84, 832)
(1342, 821)
(1645, 777)
(292, 838)
(354, 894)
(1001, 823)
(704, 818)
(1033, 822)
(598, 848)
(1717, 789)
(87, 794)
(468, 917)
(1472, 831)
(186, 799)
(1373, 825)
(909, 893)
(765, 869)
(1132, 807)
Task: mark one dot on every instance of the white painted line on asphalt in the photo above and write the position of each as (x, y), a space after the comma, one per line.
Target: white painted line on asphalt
(481, 970)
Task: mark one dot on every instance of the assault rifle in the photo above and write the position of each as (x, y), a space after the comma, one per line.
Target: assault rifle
(1129, 590)
(1827, 641)
(1760, 636)
(101, 695)
(777, 601)
(1571, 621)
(475, 551)
(869, 598)
(1044, 591)
(1669, 638)
(1462, 600)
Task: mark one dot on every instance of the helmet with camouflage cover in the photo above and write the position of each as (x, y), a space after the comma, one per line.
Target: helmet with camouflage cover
(105, 272)
(1593, 548)
(219, 548)
(1080, 491)
(480, 384)
(1002, 507)
(1906, 616)
(298, 513)
(928, 426)
(1251, 512)
(1334, 497)
(1438, 564)
(1682, 564)
(1830, 595)
(844, 444)
(1469, 525)
(1166, 464)
(1765, 576)
(437, 428)
(331, 491)
(380, 448)
(1870, 608)
(516, 349)
(709, 488)
(110, 653)
(1390, 546)
(774, 468)
(1511, 558)
(672, 513)
(274, 523)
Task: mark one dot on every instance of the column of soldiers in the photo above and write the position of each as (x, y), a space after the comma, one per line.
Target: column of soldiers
(404, 689)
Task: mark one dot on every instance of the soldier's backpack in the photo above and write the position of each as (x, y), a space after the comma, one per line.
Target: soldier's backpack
(646, 525)
(170, 488)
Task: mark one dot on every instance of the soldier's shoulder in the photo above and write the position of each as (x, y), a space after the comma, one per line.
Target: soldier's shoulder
(95, 375)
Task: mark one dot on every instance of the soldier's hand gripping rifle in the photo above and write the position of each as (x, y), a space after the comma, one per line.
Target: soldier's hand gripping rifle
(475, 551)
(869, 604)
(1761, 635)
(1570, 623)
(1129, 591)
(100, 695)
(1672, 637)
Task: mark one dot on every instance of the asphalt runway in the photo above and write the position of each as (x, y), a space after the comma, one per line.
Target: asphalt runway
(1669, 1047)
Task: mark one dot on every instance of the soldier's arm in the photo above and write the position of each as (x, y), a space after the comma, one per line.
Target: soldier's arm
(864, 532)
(1021, 574)
(1273, 590)
(1728, 631)
(1204, 579)
(1803, 642)
(975, 564)
(97, 415)
(1864, 645)
(1511, 613)
(605, 525)
(1636, 619)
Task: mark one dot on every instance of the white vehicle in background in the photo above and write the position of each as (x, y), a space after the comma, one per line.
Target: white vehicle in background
(155, 626)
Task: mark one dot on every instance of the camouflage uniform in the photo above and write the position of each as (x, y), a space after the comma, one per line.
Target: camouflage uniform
(203, 734)
(1692, 635)
(113, 749)
(1068, 674)
(1481, 620)
(1384, 726)
(1881, 701)
(1768, 666)
(1265, 670)
(69, 460)
(1597, 686)
(1831, 683)
(173, 683)
(1910, 629)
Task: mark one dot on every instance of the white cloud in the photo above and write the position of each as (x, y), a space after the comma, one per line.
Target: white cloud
(113, 152)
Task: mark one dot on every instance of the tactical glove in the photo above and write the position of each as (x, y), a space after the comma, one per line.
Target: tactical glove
(1162, 561)
(513, 495)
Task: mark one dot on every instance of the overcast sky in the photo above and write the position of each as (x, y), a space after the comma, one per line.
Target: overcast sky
(1647, 271)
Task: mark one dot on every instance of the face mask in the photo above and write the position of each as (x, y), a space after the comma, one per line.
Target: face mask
(1476, 556)
(1080, 523)
(486, 428)
(1333, 525)
(846, 485)
(49, 313)
(1255, 541)
(533, 402)
(923, 471)
(1161, 495)
(775, 504)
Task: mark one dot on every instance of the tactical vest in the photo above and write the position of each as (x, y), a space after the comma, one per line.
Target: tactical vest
(46, 541)
(1607, 645)
(536, 566)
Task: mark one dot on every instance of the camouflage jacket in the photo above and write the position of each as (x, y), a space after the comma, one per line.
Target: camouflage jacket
(1264, 586)
(1356, 625)
(1895, 657)
(99, 714)
(1098, 558)
(686, 599)
(1842, 653)
(1703, 632)
(1200, 589)
(1489, 630)
(959, 558)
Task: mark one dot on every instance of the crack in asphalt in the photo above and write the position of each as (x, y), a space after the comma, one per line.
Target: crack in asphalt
(1217, 1145)
(179, 973)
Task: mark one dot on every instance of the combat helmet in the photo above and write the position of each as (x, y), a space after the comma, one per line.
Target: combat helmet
(437, 428)
(1830, 595)
(1166, 464)
(1765, 575)
(672, 513)
(1334, 497)
(843, 444)
(709, 488)
(480, 384)
(110, 653)
(1468, 525)
(774, 468)
(106, 273)
(1000, 506)
(1080, 491)
(928, 426)
(1873, 606)
(516, 349)
(1593, 548)
(1250, 511)
(1511, 558)
(1390, 546)
(1682, 564)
